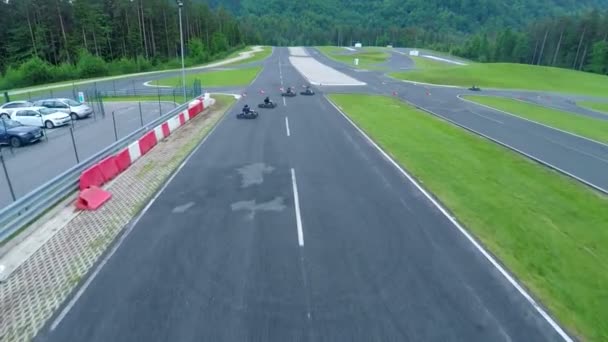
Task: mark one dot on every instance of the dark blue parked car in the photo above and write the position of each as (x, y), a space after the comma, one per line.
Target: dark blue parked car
(16, 134)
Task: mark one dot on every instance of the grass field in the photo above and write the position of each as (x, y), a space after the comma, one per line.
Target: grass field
(258, 56)
(368, 57)
(426, 63)
(546, 228)
(597, 106)
(220, 78)
(596, 129)
(513, 76)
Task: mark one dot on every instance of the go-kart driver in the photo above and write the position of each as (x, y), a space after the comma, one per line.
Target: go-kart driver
(308, 90)
(246, 109)
(267, 100)
(289, 90)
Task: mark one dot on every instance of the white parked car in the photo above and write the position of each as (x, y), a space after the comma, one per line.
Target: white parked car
(8, 108)
(75, 109)
(41, 117)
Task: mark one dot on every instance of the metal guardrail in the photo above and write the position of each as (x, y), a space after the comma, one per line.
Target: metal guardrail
(30, 207)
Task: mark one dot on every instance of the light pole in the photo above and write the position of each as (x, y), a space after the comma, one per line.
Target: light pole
(180, 4)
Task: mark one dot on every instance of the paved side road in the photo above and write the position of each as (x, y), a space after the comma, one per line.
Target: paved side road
(581, 158)
(292, 227)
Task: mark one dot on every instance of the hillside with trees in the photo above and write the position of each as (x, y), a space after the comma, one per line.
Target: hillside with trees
(54, 40)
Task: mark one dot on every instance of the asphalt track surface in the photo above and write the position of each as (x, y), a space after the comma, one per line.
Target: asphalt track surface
(306, 234)
(30, 166)
(581, 158)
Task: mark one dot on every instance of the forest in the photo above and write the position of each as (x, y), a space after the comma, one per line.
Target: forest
(54, 40)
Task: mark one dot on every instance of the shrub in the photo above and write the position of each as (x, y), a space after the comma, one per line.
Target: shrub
(34, 71)
(64, 71)
(91, 66)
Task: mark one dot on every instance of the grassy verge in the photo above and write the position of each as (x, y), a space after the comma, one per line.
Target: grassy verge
(548, 229)
(221, 78)
(513, 76)
(257, 56)
(368, 57)
(597, 106)
(582, 125)
(426, 63)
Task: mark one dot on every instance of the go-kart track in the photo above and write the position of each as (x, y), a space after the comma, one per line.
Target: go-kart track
(298, 228)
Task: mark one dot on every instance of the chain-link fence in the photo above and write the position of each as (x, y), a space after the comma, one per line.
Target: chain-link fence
(115, 114)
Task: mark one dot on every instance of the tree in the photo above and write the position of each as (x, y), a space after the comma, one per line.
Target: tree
(598, 60)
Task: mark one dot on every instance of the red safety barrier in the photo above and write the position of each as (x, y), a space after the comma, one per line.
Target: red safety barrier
(147, 142)
(108, 168)
(192, 111)
(123, 160)
(182, 119)
(92, 198)
(166, 130)
(91, 177)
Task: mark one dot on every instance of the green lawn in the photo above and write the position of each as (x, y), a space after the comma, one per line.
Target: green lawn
(597, 106)
(368, 57)
(546, 228)
(596, 129)
(513, 76)
(426, 63)
(220, 78)
(258, 56)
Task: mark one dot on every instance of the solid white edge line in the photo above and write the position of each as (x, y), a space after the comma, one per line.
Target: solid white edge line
(460, 96)
(480, 248)
(132, 225)
(296, 201)
(287, 126)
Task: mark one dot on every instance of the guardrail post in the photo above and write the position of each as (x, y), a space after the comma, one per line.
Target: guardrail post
(141, 116)
(8, 179)
(74, 145)
(175, 103)
(6, 97)
(114, 122)
(114, 86)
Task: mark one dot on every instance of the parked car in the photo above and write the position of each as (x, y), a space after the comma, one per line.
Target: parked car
(8, 108)
(41, 117)
(16, 134)
(75, 109)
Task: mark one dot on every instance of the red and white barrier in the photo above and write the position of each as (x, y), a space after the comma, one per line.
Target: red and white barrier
(91, 195)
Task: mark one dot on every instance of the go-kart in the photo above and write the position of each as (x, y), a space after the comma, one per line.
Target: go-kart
(251, 115)
(307, 92)
(289, 94)
(475, 88)
(267, 105)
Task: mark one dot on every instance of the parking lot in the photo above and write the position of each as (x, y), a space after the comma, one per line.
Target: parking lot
(30, 166)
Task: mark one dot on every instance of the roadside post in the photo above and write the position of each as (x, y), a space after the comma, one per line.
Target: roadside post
(356, 61)
(7, 98)
(141, 116)
(8, 179)
(74, 145)
(114, 122)
(160, 111)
